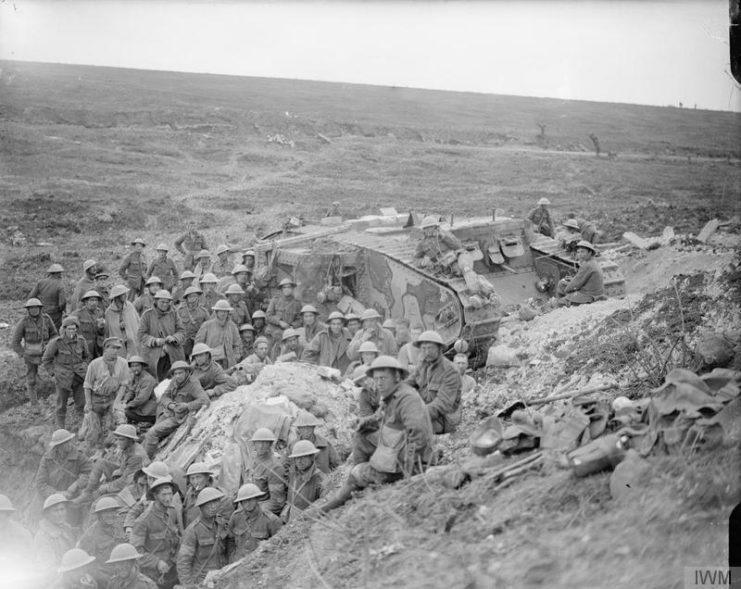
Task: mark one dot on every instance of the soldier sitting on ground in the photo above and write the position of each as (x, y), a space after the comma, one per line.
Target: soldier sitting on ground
(587, 285)
(214, 380)
(140, 402)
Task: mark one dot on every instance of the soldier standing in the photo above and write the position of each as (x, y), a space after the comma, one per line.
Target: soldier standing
(92, 322)
(249, 525)
(189, 244)
(146, 299)
(85, 284)
(164, 267)
(50, 291)
(133, 269)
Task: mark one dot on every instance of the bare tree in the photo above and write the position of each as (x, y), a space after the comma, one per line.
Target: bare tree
(595, 142)
(542, 127)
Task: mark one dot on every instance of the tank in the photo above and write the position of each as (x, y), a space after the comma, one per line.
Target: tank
(354, 264)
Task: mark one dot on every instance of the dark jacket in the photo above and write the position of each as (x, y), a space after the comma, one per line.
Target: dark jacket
(214, 380)
(89, 329)
(439, 385)
(404, 410)
(155, 325)
(325, 350)
(587, 280)
(203, 549)
(140, 394)
(156, 535)
(190, 392)
(50, 291)
(36, 332)
(66, 358)
(56, 476)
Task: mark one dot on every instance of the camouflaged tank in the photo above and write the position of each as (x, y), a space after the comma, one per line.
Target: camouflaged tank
(369, 262)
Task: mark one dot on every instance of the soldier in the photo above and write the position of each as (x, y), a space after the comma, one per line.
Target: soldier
(204, 542)
(327, 458)
(223, 265)
(192, 316)
(139, 398)
(468, 383)
(249, 525)
(405, 433)
(200, 477)
(372, 332)
(54, 536)
(189, 244)
(124, 565)
(435, 244)
(85, 284)
(122, 321)
(92, 322)
(261, 353)
(146, 299)
(284, 310)
(247, 335)
(305, 480)
(203, 264)
(365, 439)
(352, 322)
(311, 324)
(30, 337)
(63, 469)
(75, 570)
(153, 472)
(586, 229)
(587, 285)
(210, 294)
(221, 336)
(248, 260)
(106, 380)
(290, 349)
(161, 336)
(156, 535)
(164, 267)
(403, 332)
(268, 472)
(50, 291)
(183, 398)
(211, 375)
(259, 322)
(570, 236)
(329, 346)
(100, 538)
(409, 355)
(439, 383)
(235, 296)
(540, 217)
(103, 285)
(133, 269)
(66, 359)
(187, 279)
(367, 352)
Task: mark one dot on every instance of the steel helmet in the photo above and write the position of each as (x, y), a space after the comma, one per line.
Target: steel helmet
(6, 504)
(352, 317)
(118, 290)
(60, 437)
(248, 253)
(34, 302)
(309, 309)
(87, 264)
(306, 419)
(203, 254)
(263, 434)
(70, 320)
(138, 240)
(53, 500)
(106, 504)
(160, 482)
(288, 334)
(586, 245)
(208, 495)
(102, 273)
(192, 290)
(387, 362)
(370, 314)
(163, 247)
(246, 327)
(180, 364)
(157, 470)
(153, 280)
(222, 305)
(91, 294)
(200, 348)
(198, 468)
(286, 282)
(429, 336)
(55, 269)
(163, 294)
(137, 360)
(389, 324)
(248, 491)
(544, 201)
(429, 221)
(368, 347)
(187, 274)
(571, 223)
(234, 289)
(74, 559)
(259, 314)
(222, 248)
(209, 278)
(359, 373)
(303, 448)
(262, 340)
(123, 552)
(240, 268)
(126, 430)
(336, 315)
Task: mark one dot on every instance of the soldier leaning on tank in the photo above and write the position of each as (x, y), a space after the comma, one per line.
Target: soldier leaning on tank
(189, 244)
(435, 243)
(587, 285)
(133, 269)
(541, 219)
(50, 291)
(587, 229)
(30, 337)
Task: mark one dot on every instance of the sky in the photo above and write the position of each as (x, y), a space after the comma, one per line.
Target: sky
(644, 52)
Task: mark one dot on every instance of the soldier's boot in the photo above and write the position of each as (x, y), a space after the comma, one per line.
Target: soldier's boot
(33, 397)
(340, 498)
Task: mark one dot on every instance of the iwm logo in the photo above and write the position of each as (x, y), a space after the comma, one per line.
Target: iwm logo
(712, 577)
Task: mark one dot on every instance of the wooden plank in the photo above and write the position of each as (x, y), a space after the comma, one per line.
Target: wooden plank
(710, 228)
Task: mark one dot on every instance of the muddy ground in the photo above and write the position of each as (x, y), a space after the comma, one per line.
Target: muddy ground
(93, 157)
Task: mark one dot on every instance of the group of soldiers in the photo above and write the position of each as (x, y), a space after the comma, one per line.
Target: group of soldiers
(110, 516)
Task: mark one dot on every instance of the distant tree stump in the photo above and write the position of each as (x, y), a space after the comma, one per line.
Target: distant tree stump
(595, 142)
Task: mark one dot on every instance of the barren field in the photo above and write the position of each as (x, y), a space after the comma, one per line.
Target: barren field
(93, 157)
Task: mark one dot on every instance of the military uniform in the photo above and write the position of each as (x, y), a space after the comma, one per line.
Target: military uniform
(284, 309)
(191, 513)
(247, 529)
(92, 328)
(190, 244)
(166, 271)
(439, 385)
(51, 542)
(327, 459)
(133, 270)
(123, 324)
(586, 285)
(191, 320)
(213, 379)
(67, 360)
(224, 341)
(156, 535)
(325, 349)
(271, 476)
(541, 218)
(141, 402)
(382, 338)
(83, 285)
(240, 313)
(35, 333)
(50, 291)
(136, 581)
(203, 549)
(143, 302)
(98, 541)
(156, 324)
(304, 487)
(435, 246)
(62, 475)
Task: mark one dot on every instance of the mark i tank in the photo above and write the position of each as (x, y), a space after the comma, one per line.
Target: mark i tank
(369, 262)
